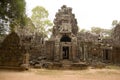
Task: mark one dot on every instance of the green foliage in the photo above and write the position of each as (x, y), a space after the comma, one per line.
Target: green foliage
(40, 20)
(104, 32)
(13, 11)
(83, 31)
(29, 25)
(2, 29)
(96, 30)
(39, 12)
(114, 22)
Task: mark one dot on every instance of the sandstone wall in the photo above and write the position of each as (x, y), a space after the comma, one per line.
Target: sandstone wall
(12, 51)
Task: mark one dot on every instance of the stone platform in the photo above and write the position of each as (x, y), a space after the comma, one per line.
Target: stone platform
(66, 64)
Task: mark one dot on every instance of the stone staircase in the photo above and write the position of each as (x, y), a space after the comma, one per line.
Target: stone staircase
(66, 64)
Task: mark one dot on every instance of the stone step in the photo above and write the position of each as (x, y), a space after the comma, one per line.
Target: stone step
(66, 63)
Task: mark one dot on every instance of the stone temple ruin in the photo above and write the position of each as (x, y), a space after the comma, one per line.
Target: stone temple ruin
(13, 53)
(66, 47)
(64, 39)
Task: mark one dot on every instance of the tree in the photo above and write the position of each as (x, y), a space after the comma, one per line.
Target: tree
(29, 27)
(2, 29)
(40, 20)
(96, 30)
(13, 11)
(83, 31)
(114, 22)
(105, 33)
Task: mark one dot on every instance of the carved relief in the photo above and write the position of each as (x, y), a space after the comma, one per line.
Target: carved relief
(65, 20)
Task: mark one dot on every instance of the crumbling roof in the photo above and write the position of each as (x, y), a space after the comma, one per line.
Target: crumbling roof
(87, 37)
(116, 35)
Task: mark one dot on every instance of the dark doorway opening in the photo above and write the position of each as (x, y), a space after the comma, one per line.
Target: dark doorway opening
(65, 52)
(65, 38)
(106, 54)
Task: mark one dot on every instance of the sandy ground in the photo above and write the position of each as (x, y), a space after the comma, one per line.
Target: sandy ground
(42, 74)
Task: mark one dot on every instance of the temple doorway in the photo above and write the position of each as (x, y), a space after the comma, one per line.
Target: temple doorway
(65, 51)
(65, 38)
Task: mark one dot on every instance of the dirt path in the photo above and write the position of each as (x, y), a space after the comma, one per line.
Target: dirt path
(41, 74)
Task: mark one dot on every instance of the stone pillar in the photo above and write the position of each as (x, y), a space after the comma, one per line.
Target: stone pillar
(25, 64)
(74, 48)
(57, 50)
(57, 55)
(26, 58)
(70, 52)
(85, 52)
(73, 52)
(60, 51)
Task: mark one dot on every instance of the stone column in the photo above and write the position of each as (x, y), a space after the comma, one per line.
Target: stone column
(57, 50)
(61, 51)
(74, 48)
(25, 64)
(70, 52)
(57, 55)
(73, 52)
(85, 52)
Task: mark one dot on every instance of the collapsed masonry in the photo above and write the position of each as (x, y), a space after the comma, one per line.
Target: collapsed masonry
(13, 54)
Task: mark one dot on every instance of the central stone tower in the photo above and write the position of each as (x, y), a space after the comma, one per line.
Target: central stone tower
(64, 35)
(64, 32)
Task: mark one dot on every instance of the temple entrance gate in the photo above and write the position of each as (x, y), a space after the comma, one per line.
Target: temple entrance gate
(65, 51)
(65, 46)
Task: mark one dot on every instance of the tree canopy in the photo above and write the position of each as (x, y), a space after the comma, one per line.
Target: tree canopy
(13, 11)
(40, 20)
(103, 32)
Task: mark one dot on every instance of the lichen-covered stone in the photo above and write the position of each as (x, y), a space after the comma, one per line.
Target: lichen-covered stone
(12, 51)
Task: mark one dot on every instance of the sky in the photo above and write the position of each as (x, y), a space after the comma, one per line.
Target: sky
(89, 13)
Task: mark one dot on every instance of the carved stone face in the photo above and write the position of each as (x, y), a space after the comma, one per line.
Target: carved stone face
(66, 27)
(65, 21)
